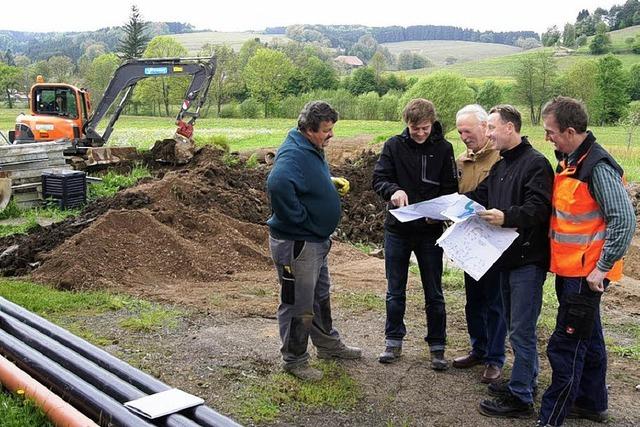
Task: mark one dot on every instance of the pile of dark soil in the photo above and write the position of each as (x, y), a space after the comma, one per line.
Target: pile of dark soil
(198, 223)
(363, 211)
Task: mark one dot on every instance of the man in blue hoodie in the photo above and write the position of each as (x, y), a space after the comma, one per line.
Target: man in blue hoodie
(305, 204)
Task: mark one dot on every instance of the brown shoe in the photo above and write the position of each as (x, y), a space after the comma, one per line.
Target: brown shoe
(464, 362)
(491, 374)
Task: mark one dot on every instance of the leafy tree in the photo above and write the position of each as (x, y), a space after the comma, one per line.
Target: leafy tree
(60, 68)
(378, 63)
(601, 42)
(267, 74)
(612, 100)
(135, 39)
(569, 36)
(448, 91)
(528, 43)
(320, 74)
(247, 50)
(163, 91)
(10, 79)
(365, 48)
(489, 94)
(551, 36)
(226, 82)
(99, 74)
(363, 80)
(580, 82)
(631, 121)
(634, 82)
(534, 74)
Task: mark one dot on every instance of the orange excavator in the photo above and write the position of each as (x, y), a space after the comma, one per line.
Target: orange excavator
(60, 111)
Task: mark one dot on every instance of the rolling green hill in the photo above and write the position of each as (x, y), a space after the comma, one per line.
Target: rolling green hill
(194, 41)
(438, 51)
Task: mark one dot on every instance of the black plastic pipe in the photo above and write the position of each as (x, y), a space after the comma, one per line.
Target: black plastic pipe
(202, 414)
(85, 397)
(88, 371)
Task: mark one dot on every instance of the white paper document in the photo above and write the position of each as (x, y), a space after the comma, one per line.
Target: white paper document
(474, 245)
(462, 209)
(163, 403)
(428, 209)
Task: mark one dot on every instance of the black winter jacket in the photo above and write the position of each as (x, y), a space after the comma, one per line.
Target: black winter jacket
(424, 171)
(520, 185)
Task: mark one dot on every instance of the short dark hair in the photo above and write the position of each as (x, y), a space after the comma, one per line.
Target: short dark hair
(314, 113)
(508, 113)
(568, 112)
(419, 110)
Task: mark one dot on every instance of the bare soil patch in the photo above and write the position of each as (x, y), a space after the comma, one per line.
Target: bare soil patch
(194, 237)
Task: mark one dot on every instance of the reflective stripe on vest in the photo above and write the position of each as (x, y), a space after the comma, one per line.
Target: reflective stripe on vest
(577, 230)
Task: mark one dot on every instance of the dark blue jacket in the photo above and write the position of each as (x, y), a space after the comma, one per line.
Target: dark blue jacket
(304, 202)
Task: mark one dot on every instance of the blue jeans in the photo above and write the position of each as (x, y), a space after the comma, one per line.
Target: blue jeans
(576, 352)
(305, 308)
(485, 317)
(521, 289)
(397, 252)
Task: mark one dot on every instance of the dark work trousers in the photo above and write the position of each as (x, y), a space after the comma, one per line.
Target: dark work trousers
(485, 317)
(521, 290)
(576, 352)
(305, 308)
(397, 253)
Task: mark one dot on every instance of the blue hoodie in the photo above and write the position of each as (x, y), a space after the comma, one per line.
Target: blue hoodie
(304, 202)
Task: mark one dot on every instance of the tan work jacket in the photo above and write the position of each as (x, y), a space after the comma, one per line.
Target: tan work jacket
(473, 168)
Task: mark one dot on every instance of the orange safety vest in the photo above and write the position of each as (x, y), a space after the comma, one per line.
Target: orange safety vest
(578, 227)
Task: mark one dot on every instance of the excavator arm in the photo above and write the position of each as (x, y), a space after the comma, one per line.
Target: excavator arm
(130, 73)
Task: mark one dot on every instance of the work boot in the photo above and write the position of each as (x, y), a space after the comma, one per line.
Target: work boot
(304, 372)
(491, 374)
(438, 362)
(598, 417)
(506, 407)
(390, 354)
(342, 352)
(501, 388)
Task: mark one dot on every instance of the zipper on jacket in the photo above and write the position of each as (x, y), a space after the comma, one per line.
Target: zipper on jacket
(424, 171)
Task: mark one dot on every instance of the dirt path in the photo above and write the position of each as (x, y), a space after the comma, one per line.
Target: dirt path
(231, 341)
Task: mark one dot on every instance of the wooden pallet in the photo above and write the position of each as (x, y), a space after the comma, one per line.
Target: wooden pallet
(25, 163)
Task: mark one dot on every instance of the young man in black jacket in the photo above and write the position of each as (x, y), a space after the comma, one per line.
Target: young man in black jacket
(517, 194)
(415, 166)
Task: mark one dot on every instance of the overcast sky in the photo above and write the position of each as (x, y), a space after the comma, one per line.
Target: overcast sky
(240, 15)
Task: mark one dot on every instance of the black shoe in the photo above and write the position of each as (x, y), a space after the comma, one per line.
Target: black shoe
(438, 362)
(506, 407)
(390, 354)
(598, 417)
(501, 388)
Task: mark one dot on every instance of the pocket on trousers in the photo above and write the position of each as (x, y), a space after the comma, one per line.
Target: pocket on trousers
(288, 286)
(578, 318)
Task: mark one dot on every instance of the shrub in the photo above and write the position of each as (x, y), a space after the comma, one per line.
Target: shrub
(368, 106)
(230, 111)
(388, 107)
(250, 109)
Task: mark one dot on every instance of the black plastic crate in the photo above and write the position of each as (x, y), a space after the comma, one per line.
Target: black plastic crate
(65, 188)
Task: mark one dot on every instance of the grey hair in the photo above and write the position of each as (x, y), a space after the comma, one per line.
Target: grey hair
(314, 113)
(475, 109)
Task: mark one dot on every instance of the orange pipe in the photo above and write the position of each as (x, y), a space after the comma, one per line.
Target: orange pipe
(57, 410)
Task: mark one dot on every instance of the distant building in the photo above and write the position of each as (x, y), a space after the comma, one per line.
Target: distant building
(351, 61)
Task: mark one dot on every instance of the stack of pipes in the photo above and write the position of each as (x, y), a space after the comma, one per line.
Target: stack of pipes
(85, 376)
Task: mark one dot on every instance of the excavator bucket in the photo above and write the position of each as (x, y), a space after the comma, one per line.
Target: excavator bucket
(178, 150)
(5, 192)
(110, 155)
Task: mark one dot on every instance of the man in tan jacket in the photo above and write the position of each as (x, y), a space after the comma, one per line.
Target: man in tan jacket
(483, 310)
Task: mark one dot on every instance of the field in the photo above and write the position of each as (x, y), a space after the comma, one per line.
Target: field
(438, 51)
(194, 41)
(250, 134)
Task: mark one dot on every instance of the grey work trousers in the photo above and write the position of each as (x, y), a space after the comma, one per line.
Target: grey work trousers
(305, 308)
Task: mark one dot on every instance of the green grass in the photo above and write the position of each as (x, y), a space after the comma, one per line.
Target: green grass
(439, 50)
(261, 401)
(16, 411)
(360, 301)
(113, 182)
(151, 317)
(52, 303)
(547, 319)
